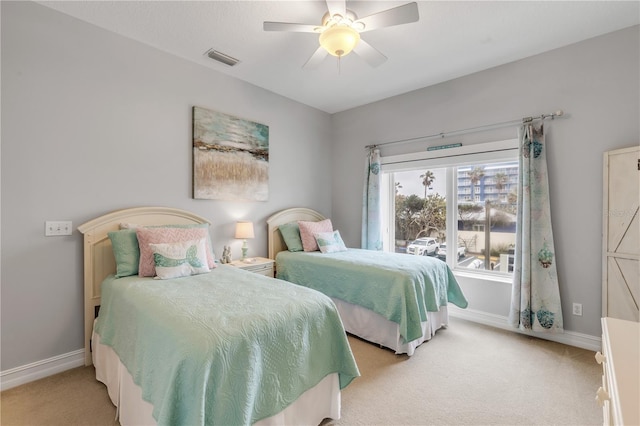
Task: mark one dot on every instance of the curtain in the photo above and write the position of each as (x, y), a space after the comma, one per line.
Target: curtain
(535, 298)
(371, 213)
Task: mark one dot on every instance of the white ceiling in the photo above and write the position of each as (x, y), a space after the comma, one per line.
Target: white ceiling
(451, 39)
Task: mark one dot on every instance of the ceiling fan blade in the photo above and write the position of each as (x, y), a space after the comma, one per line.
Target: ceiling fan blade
(337, 7)
(315, 59)
(387, 18)
(289, 26)
(369, 53)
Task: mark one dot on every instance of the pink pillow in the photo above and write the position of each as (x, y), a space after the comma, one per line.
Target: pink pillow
(146, 236)
(308, 231)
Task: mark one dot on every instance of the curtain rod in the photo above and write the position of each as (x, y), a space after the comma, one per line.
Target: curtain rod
(523, 120)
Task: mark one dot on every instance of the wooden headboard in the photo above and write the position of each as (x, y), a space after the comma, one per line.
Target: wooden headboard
(99, 261)
(276, 243)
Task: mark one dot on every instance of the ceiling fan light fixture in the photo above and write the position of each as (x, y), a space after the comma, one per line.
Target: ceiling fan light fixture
(339, 40)
(340, 31)
(358, 26)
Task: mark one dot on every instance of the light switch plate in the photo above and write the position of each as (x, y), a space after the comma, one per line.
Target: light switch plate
(54, 228)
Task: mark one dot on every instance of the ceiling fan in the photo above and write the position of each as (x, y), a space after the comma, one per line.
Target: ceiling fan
(341, 28)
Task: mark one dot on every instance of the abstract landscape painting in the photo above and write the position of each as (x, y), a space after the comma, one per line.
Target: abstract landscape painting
(230, 157)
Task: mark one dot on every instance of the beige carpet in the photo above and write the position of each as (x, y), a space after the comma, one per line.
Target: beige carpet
(468, 374)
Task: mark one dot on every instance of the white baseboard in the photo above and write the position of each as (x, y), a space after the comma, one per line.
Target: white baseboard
(570, 338)
(40, 369)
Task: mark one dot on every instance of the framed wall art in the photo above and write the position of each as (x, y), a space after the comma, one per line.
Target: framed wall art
(230, 157)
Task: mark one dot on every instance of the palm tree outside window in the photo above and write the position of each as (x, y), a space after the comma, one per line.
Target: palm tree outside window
(475, 175)
(501, 180)
(427, 180)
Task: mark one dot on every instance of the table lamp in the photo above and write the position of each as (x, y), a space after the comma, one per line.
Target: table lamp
(244, 230)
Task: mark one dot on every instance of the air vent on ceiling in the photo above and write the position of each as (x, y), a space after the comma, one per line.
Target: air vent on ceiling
(221, 57)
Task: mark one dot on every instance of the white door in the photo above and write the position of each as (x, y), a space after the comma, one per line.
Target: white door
(621, 239)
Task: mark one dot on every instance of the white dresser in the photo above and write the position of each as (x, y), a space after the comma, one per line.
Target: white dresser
(619, 394)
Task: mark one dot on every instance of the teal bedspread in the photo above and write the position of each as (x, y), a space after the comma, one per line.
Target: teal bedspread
(400, 287)
(224, 348)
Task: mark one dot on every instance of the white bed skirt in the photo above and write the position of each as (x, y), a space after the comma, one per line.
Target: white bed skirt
(375, 328)
(313, 406)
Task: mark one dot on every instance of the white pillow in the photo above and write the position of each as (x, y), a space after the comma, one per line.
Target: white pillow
(330, 242)
(180, 259)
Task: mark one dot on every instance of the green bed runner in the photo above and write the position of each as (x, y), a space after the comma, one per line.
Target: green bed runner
(224, 348)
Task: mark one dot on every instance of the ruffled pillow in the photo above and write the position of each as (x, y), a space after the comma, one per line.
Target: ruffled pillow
(308, 231)
(182, 259)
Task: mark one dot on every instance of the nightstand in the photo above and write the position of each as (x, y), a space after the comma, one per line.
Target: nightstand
(258, 265)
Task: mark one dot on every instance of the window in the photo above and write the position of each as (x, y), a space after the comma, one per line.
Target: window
(478, 227)
(428, 204)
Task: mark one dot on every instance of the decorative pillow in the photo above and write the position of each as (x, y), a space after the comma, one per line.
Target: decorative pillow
(174, 260)
(291, 235)
(125, 251)
(210, 254)
(128, 225)
(309, 229)
(330, 242)
(146, 236)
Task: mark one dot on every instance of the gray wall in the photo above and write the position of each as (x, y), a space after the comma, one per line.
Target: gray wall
(93, 122)
(596, 82)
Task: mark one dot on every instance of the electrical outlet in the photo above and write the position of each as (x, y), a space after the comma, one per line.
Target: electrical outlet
(577, 309)
(54, 228)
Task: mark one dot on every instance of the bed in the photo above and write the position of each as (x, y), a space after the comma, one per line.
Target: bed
(220, 347)
(394, 300)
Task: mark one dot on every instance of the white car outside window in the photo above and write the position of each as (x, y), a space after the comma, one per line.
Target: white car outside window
(423, 247)
(442, 251)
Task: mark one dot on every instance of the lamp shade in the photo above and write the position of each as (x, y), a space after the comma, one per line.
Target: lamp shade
(339, 40)
(244, 230)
